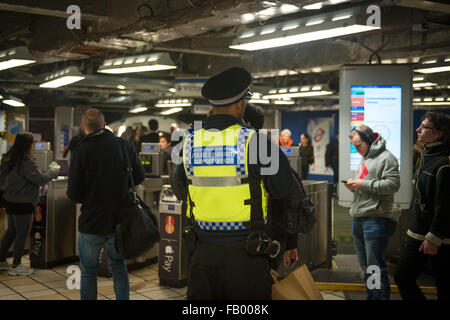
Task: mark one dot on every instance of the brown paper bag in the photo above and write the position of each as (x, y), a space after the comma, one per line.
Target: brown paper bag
(297, 285)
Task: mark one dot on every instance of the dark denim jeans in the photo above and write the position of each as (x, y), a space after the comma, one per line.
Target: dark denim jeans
(371, 238)
(89, 247)
(411, 264)
(19, 226)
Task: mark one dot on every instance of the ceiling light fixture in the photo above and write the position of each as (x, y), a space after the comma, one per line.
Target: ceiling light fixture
(288, 8)
(305, 91)
(314, 6)
(142, 63)
(439, 101)
(13, 101)
(433, 65)
(62, 78)
(170, 103)
(318, 27)
(260, 101)
(170, 111)
(423, 84)
(333, 2)
(284, 102)
(15, 57)
(138, 108)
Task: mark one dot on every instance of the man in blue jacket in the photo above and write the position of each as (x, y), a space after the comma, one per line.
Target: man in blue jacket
(99, 180)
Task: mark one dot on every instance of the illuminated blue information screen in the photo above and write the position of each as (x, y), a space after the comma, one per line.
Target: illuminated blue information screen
(148, 148)
(380, 108)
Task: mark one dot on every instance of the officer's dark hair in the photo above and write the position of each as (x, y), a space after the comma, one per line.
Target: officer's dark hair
(254, 115)
(440, 122)
(153, 124)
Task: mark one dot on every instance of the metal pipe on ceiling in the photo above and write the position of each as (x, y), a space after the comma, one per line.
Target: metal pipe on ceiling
(48, 12)
(424, 5)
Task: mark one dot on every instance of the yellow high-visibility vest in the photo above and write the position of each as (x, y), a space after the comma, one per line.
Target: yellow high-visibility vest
(216, 164)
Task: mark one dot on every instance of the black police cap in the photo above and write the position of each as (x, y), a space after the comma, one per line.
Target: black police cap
(227, 87)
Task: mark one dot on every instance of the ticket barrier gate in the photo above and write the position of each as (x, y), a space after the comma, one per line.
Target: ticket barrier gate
(151, 159)
(52, 239)
(293, 155)
(173, 260)
(43, 155)
(316, 247)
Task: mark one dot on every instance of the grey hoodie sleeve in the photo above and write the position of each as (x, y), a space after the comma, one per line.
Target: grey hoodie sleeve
(31, 172)
(389, 181)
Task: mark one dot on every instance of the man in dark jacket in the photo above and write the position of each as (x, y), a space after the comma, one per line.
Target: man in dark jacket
(152, 137)
(99, 180)
(332, 160)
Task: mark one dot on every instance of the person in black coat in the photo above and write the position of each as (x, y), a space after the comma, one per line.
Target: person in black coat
(429, 216)
(332, 160)
(98, 179)
(74, 142)
(152, 137)
(306, 154)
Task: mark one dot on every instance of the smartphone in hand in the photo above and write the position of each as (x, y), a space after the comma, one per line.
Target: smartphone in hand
(344, 181)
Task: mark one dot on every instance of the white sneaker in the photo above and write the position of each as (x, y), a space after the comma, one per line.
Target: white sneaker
(4, 266)
(20, 270)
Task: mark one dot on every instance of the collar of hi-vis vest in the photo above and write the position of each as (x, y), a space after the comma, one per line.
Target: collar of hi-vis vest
(220, 121)
(217, 158)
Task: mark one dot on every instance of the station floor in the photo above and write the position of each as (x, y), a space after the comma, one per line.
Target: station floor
(51, 284)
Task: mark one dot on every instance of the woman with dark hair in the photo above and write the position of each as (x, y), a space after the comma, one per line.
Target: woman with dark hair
(429, 216)
(306, 153)
(20, 179)
(166, 150)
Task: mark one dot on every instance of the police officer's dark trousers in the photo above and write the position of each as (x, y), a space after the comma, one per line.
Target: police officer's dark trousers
(226, 271)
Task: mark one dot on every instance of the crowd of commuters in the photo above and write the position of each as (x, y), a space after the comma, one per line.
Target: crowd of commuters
(229, 205)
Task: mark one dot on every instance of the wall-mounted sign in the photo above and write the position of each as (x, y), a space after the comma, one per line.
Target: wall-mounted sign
(189, 87)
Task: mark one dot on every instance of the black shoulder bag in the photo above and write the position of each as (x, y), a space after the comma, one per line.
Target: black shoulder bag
(137, 228)
(296, 213)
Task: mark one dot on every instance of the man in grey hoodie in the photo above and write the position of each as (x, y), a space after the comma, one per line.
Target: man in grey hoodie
(376, 181)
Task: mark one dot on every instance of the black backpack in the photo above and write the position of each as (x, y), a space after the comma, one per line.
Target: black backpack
(294, 214)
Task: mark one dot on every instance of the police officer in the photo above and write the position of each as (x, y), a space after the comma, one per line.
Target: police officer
(226, 197)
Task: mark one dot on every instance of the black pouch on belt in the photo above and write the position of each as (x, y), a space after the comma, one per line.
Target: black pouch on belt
(190, 238)
(258, 242)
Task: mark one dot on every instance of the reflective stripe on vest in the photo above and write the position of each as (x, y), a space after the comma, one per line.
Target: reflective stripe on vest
(216, 164)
